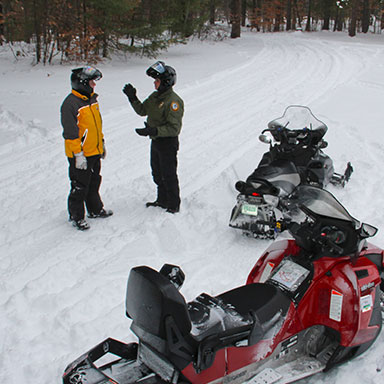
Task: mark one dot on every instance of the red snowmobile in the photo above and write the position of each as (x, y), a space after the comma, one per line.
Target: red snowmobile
(309, 303)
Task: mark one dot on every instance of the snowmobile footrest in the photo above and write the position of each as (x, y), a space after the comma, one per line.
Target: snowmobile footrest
(288, 373)
(84, 370)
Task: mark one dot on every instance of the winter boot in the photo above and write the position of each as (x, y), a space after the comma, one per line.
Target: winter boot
(103, 214)
(173, 210)
(81, 224)
(155, 204)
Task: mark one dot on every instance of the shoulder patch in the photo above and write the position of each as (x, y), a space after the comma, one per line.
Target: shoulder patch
(175, 106)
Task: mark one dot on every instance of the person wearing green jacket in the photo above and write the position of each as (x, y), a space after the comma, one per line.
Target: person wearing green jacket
(164, 110)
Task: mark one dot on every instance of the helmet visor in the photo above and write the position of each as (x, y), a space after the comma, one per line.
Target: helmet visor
(156, 70)
(90, 73)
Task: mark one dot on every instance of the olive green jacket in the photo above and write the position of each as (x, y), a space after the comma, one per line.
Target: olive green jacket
(164, 110)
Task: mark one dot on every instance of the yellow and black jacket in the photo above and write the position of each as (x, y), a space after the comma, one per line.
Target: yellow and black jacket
(82, 125)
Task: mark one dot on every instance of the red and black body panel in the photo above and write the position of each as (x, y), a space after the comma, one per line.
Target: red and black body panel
(343, 295)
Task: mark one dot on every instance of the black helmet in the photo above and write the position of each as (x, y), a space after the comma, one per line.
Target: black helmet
(165, 73)
(80, 78)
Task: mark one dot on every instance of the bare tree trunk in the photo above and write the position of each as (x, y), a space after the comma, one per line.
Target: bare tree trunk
(46, 31)
(37, 21)
(308, 25)
(243, 12)
(6, 32)
(289, 15)
(382, 20)
(212, 9)
(326, 14)
(339, 19)
(258, 4)
(365, 19)
(278, 18)
(336, 19)
(85, 31)
(297, 11)
(235, 18)
(352, 25)
(105, 44)
(1, 24)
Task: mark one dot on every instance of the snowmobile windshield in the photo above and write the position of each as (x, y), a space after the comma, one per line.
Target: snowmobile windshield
(297, 117)
(319, 202)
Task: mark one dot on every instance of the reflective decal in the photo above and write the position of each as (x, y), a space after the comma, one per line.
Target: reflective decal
(336, 305)
(267, 272)
(366, 303)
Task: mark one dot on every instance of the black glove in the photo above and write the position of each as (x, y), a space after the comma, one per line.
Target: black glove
(147, 131)
(130, 91)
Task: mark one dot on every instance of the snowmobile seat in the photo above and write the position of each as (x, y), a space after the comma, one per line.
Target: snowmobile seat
(162, 320)
(212, 316)
(248, 313)
(235, 309)
(281, 174)
(264, 300)
(265, 304)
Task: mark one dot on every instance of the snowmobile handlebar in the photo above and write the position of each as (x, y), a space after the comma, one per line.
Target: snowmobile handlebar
(290, 139)
(307, 235)
(289, 136)
(329, 240)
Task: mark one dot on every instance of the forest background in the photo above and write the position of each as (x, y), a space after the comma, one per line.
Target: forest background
(90, 30)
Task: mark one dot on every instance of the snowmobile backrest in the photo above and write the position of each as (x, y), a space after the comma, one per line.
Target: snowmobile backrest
(281, 174)
(151, 299)
(259, 186)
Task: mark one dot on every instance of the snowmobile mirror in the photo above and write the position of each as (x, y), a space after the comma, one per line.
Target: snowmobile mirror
(240, 186)
(174, 274)
(367, 230)
(323, 144)
(265, 139)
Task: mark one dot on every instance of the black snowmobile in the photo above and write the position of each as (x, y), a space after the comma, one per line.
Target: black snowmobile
(295, 157)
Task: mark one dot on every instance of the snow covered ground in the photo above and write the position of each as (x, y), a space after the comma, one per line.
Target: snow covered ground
(62, 291)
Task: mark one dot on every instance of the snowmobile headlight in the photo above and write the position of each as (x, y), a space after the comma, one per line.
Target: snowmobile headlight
(271, 200)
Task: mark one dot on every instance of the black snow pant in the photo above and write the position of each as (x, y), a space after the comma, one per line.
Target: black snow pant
(85, 186)
(164, 171)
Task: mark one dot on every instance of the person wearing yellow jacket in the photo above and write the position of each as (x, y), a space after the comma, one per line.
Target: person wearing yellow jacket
(84, 146)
